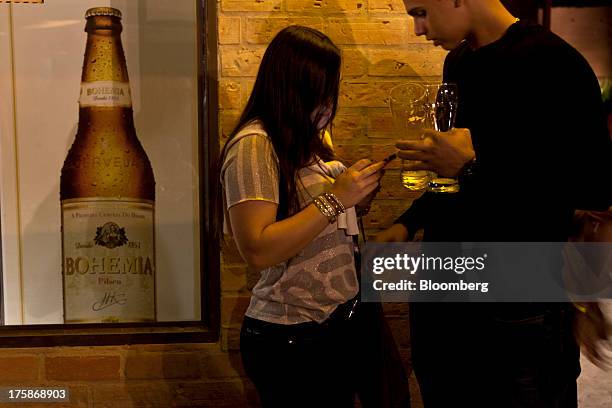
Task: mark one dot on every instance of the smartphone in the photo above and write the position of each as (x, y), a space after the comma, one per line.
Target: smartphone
(389, 158)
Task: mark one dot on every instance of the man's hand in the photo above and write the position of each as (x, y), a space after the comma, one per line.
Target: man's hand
(395, 233)
(443, 152)
(592, 331)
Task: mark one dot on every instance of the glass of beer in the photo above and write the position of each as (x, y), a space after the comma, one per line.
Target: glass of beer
(410, 109)
(442, 103)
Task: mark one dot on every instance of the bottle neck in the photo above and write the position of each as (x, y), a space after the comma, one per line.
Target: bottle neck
(105, 89)
(117, 121)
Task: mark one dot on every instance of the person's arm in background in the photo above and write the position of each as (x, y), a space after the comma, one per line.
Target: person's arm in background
(581, 116)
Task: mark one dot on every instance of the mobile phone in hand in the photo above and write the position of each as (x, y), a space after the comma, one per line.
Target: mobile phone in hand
(387, 159)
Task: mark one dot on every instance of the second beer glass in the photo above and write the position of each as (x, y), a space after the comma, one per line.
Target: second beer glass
(416, 106)
(442, 102)
(408, 103)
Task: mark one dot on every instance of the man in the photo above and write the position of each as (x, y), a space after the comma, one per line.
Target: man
(530, 146)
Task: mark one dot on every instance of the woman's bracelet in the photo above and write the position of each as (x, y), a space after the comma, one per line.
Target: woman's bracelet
(333, 199)
(329, 205)
(325, 209)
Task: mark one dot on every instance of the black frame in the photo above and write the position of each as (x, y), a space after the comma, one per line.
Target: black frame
(581, 3)
(207, 329)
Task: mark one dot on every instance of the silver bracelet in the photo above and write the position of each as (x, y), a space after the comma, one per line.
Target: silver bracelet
(324, 210)
(329, 206)
(331, 197)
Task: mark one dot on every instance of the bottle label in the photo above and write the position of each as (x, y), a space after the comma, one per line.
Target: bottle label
(105, 94)
(108, 260)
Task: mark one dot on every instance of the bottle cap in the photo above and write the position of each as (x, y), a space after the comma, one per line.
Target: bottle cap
(103, 11)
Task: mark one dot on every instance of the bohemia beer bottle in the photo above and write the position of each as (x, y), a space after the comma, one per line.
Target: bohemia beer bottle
(107, 192)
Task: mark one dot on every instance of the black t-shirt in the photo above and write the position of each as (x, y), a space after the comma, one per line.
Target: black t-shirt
(534, 109)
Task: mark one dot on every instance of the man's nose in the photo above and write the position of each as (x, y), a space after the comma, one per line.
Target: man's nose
(419, 27)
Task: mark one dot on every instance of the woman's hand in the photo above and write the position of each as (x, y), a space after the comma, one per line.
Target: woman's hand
(357, 182)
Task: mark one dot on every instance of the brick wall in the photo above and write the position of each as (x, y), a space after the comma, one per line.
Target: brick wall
(179, 375)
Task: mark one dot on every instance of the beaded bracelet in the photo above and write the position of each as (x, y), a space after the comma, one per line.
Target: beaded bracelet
(331, 217)
(333, 199)
(332, 210)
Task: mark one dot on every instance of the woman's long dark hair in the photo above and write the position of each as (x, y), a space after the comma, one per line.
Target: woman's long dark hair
(299, 73)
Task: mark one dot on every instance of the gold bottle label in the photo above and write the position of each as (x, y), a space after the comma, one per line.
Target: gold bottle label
(109, 260)
(105, 94)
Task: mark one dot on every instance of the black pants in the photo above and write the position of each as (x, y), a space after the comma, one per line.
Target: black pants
(326, 365)
(468, 355)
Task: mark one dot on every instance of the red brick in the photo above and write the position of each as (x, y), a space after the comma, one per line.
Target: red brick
(220, 394)
(251, 5)
(386, 6)
(240, 61)
(380, 124)
(230, 339)
(247, 88)
(327, 6)
(223, 365)
(348, 127)
(413, 60)
(229, 30)
(232, 310)
(230, 95)
(150, 394)
(383, 213)
(233, 278)
(262, 30)
(201, 348)
(227, 122)
(351, 153)
(365, 93)
(85, 368)
(354, 63)
(15, 370)
(162, 365)
(371, 31)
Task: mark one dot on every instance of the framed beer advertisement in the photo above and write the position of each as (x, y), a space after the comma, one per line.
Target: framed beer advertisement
(105, 156)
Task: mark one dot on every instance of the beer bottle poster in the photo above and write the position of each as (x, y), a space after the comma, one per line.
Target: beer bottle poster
(107, 192)
(39, 123)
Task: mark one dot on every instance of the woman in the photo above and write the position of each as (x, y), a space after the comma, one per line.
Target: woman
(290, 208)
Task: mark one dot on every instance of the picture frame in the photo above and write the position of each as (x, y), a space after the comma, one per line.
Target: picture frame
(147, 31)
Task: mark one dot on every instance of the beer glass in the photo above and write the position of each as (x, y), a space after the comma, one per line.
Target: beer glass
(410, 110)
(442, 111)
